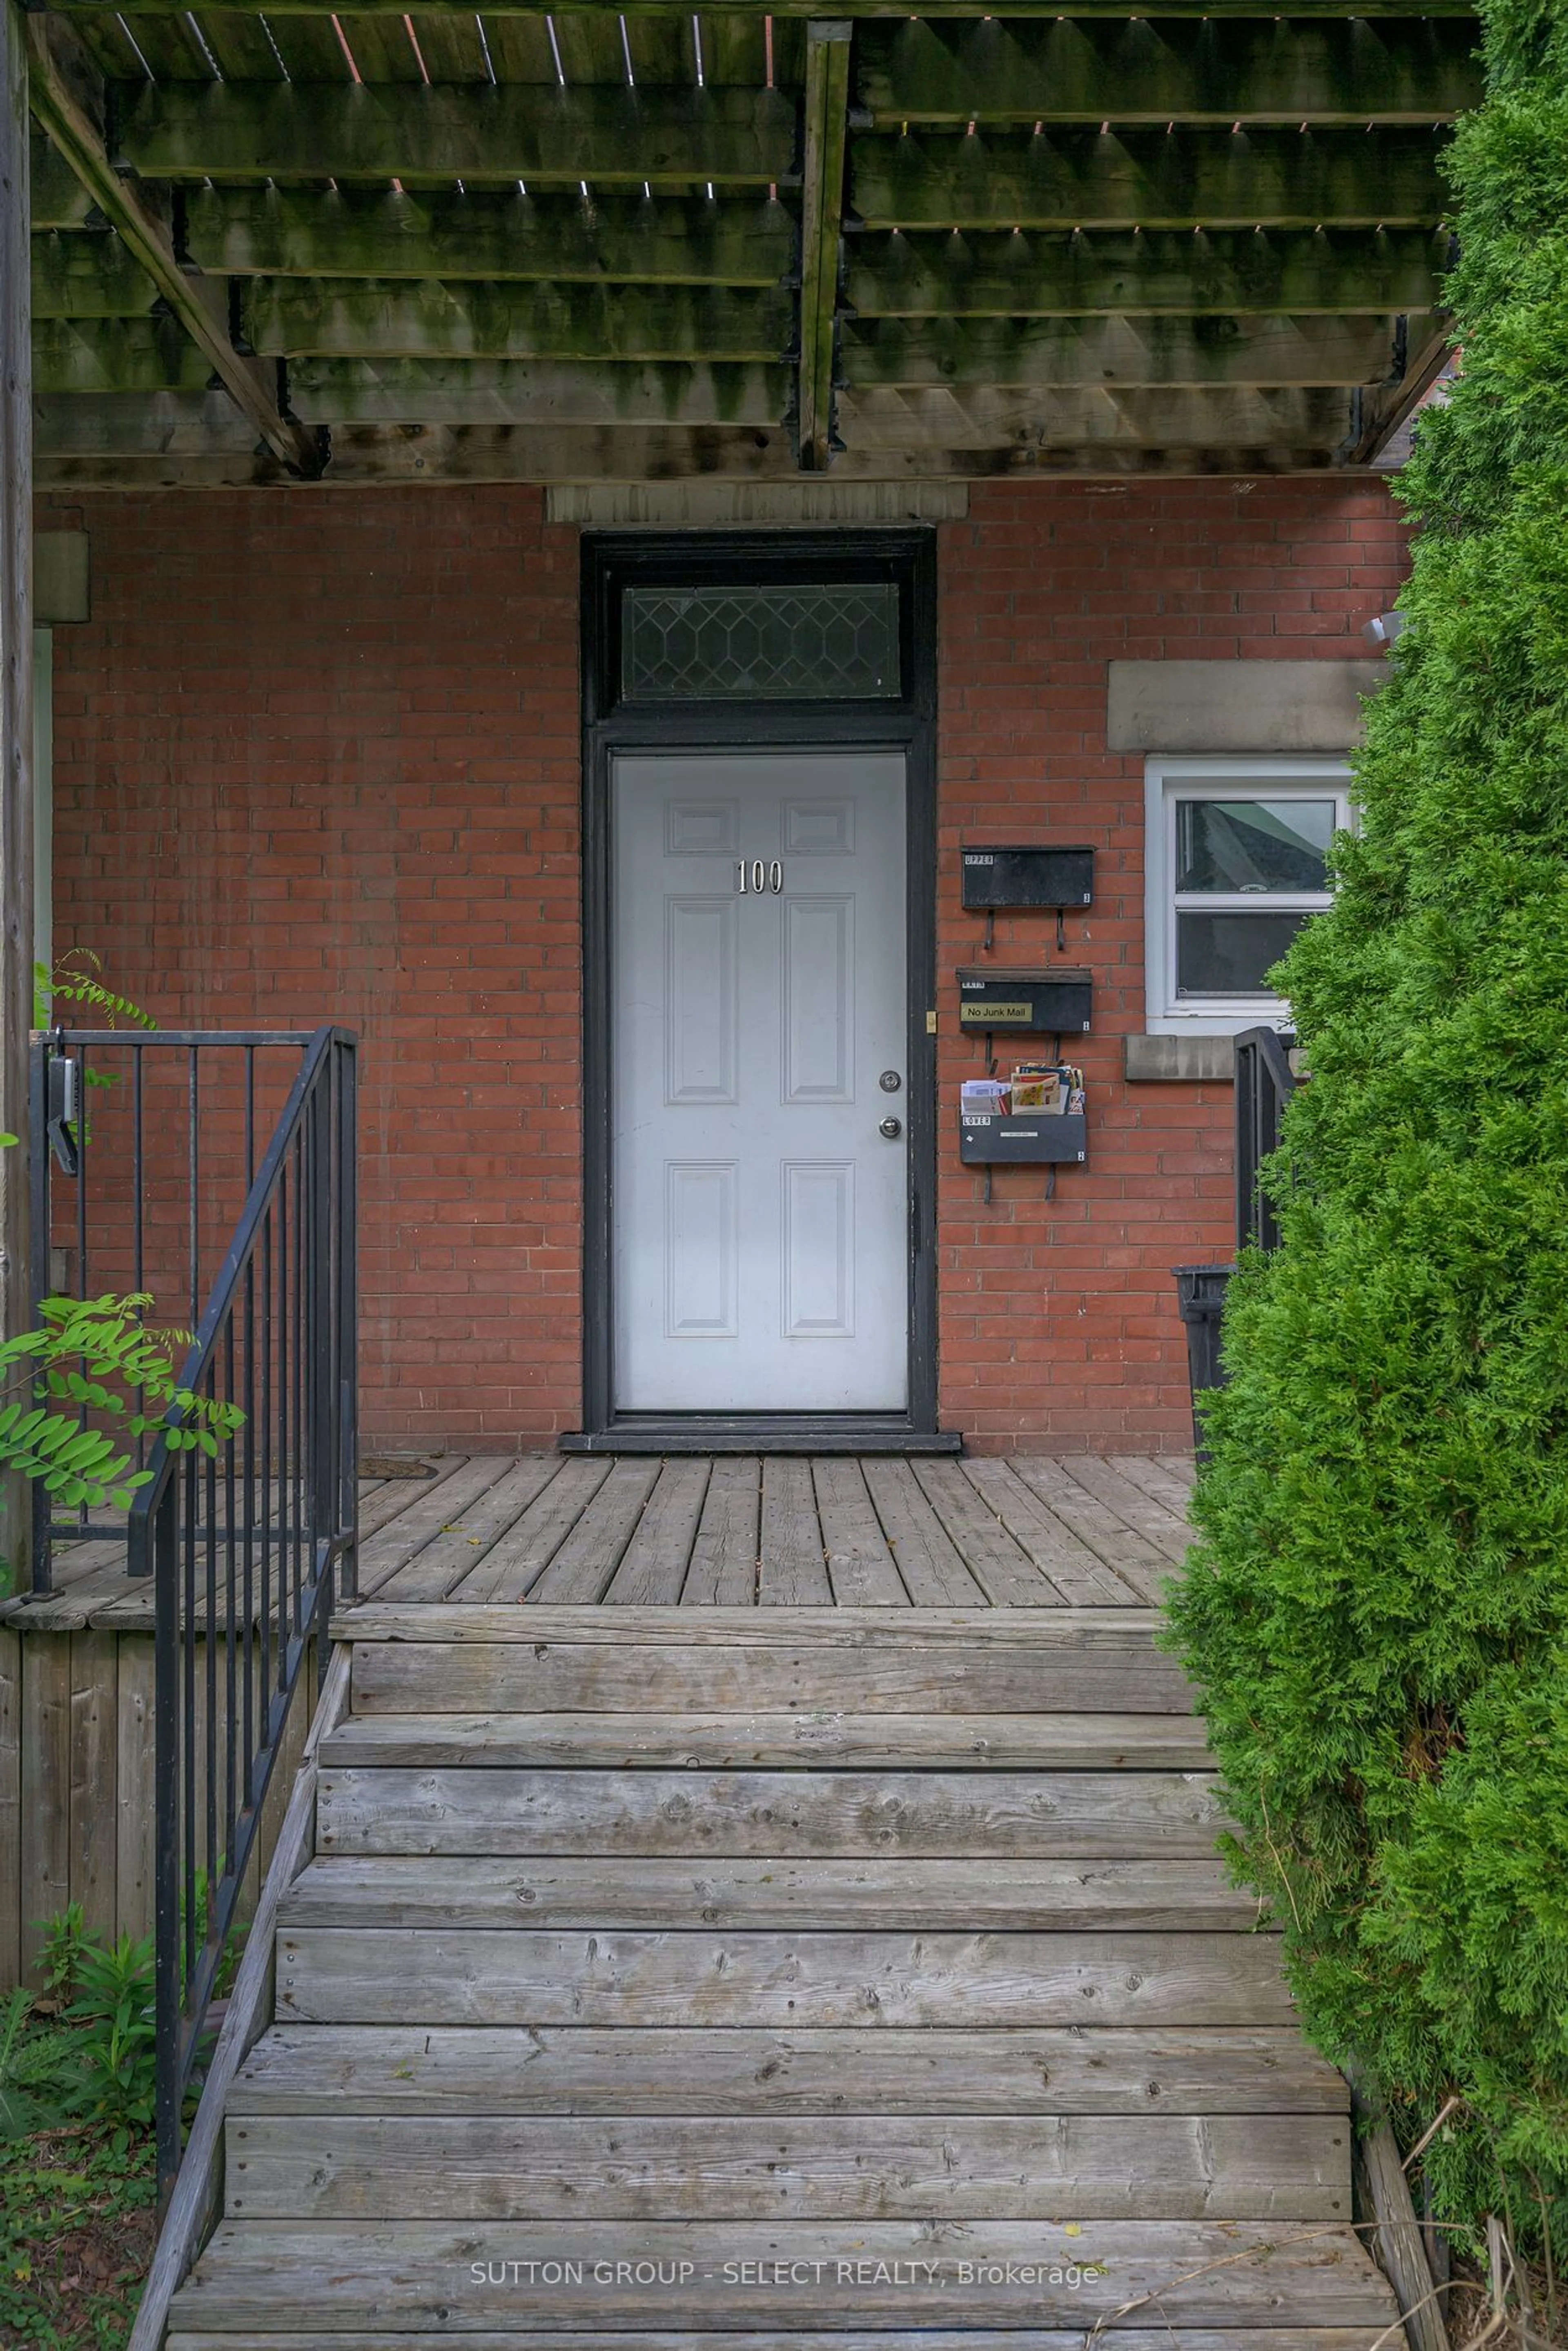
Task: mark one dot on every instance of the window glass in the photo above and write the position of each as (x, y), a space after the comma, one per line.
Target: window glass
(1228, 954)
(779, 644)
(1253, 845)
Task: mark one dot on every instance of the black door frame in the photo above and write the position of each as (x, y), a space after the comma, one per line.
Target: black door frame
(611, 562)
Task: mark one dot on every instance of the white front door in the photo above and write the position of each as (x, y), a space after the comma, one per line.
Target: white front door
(761, 1255)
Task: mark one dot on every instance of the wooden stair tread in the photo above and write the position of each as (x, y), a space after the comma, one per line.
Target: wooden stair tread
(1160, 1892)
(812, 1740)
(934, 1814)
(717, 1977)
(357, 2274)
(345, 2069)
(1242, 2337)
(824, 2168)
(731, 1627)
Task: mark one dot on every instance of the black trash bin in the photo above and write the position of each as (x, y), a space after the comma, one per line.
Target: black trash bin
(1200, 1302)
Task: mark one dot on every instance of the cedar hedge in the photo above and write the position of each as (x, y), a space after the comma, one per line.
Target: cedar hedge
(1376, 1610)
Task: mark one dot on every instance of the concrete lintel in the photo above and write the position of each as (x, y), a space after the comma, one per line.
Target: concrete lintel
(1208, 1061)
(1239, 705)
(780, 505)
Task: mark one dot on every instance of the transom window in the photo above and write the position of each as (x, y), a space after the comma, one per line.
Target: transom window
(833, 641)
(1237, 862)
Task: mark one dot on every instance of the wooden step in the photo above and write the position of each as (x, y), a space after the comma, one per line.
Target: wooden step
(340, 2276)
(365, 2069)
(818, 2168)
(851, 2338)
(1088, 1665)
(777, 1813)
(1161, 1894)
(817, 1741)
(387, 1976)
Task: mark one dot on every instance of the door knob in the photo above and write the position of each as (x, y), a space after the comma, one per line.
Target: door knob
(891, 1127)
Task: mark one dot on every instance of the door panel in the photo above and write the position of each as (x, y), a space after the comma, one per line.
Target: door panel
(760, 1219)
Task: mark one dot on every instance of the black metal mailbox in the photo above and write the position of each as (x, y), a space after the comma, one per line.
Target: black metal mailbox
(1018, 874)
(1054, 1003)
(1040, 1137)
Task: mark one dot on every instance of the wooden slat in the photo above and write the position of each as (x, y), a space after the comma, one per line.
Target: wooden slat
(1049, 272)
(1199, 2271)
(116, 355)
(59, 200)
(404, 1976)
(466, 1539)
(932, 1571)
(401, 1539)
(1166, 2339)
(1008, 1578)
(1152, 179)
(1273, 348)
(88, 277)
(1166, 1480)
(860, 1565)
(543, 391)
(1129, 1632)
(94, 1709)
(880, 421)
(389, 319)
(377, 233)
(722, 1570)
(1121, 1547)
(512, 1566)
(373, 2069)
(815, 1740)
(134, 1812)
(654, 1565)
(1159, 1526)
(821, 199)
(1185, 1894)
(384, 132)
(509, 1810)
(46, 1839)
(583, 1567)
(550, 1676)
(1076, 69)
(791, 1571)
(396, 1495)
(1148, 2168)
(1078, 1574)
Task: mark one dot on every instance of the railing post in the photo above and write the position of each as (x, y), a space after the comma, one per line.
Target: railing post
(346, 1070)
(39, 1163)
(170, 2088)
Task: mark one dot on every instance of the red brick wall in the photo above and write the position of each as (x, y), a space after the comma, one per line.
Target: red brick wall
(1058, 1324)
(317, 757)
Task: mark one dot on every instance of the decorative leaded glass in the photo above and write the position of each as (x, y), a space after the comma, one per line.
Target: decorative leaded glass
(760, 644)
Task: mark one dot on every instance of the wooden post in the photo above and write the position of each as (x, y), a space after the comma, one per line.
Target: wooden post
(15, 731)
(821, 214)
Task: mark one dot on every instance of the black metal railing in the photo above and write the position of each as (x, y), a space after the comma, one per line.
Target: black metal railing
(1264, 1084)
(143, 1151)
(246, 1541)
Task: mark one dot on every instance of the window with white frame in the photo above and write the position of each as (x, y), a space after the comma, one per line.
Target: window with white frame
(1237, 859)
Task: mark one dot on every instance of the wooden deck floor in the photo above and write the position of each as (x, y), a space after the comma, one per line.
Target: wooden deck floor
(1061, 1531)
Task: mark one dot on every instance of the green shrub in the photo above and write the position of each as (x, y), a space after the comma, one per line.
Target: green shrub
(1378, 1607)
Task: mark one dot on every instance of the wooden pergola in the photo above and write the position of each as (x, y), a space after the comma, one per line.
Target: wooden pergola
(636, 245)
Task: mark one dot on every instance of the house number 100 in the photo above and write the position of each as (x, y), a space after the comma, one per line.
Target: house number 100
(760, 877)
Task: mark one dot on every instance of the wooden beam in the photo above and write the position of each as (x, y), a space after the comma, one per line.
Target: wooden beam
(881, 423)
(160, 424)
(88, 275)
(1148, 179)
(821, 214)
(1046, 273)
(62, 100)
(16, 741)
(59, 200)
(117, 355)
(405, 131)
(399, 318)
(1271, 349)
(512, 392)
(379, 233)
(1384, 412)
(1270, 70)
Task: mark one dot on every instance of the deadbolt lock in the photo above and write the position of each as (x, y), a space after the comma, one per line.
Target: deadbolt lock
(891, 1127)
(890, 1081)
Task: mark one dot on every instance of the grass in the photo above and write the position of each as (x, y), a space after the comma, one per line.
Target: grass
(77, 2225)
